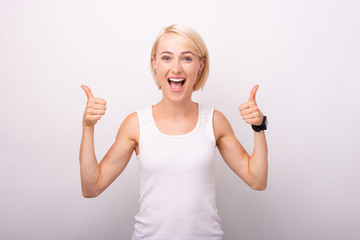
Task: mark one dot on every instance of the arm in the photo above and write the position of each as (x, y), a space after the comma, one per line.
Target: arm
(251, 169)
(95, 178)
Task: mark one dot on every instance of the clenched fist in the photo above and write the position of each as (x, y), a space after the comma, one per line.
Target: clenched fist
(95, 108)
(249, 111)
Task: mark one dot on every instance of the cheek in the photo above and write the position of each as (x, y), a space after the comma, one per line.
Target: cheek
(192, 72)
(162, 68)
(161, 73)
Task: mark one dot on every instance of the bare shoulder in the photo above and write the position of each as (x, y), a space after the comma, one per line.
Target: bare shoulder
(221, 125)
(130, 128)
(132, 120)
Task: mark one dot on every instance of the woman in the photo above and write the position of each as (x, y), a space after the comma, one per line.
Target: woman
(175, 143)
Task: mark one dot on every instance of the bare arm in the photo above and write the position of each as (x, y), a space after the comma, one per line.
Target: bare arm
(95, 178)
(253, 170)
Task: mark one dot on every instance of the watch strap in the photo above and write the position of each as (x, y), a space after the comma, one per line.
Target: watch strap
(261, 127)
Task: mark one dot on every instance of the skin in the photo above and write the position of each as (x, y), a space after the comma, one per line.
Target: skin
(172, 60)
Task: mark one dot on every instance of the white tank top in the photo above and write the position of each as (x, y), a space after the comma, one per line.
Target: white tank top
(177, 182)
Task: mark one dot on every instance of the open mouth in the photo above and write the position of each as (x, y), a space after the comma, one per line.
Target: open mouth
(176, 83)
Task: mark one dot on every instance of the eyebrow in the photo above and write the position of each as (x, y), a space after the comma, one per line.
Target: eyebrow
(164, 52)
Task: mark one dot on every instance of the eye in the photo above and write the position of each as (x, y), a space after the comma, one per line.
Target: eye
(187, 59)
(165, 58)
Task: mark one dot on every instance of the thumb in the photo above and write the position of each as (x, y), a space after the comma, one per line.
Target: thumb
(253, 93)
(87, 91)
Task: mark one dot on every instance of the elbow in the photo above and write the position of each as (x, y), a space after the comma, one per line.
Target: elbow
(89, 194)
(86, 195)
(259, 187)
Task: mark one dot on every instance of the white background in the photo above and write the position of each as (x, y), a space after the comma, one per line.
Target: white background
(305, 56)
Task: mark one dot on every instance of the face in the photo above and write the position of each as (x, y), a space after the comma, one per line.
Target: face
(177, 67)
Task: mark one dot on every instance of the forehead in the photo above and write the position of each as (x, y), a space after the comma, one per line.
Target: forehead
(174, 43)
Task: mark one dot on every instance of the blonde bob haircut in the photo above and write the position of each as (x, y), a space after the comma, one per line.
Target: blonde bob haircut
(194, 43)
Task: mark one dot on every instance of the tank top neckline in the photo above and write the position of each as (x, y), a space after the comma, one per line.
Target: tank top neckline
(178, 135)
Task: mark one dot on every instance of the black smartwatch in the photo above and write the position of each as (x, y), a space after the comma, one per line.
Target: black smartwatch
(263, 126)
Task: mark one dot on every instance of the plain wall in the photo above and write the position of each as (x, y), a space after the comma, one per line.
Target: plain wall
(303, 54)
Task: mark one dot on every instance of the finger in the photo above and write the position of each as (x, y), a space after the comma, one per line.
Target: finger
(250, 116)
(253, 93)
(94, 117)
(245, 105)
(87, 91)
(100, 101)
(96, 112)
(256, 120)
(246, 111)
(100, 106)
(251, 121)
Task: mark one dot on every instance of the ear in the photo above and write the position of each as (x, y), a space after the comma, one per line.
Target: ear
(153, 62)
(202, 63)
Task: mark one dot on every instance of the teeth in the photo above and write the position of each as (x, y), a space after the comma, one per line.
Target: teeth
(176, 79)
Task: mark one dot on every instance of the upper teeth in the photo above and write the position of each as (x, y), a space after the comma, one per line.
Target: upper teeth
(176, 79)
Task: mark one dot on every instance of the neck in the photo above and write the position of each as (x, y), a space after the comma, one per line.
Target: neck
(175, 109)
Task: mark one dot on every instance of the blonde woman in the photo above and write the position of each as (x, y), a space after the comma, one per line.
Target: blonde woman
(175, 141)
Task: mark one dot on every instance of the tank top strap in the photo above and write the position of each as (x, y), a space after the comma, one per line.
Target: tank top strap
(144, 115)
(206, 113)
(206, 118)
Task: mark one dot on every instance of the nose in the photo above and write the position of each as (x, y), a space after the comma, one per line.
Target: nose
(176, 66)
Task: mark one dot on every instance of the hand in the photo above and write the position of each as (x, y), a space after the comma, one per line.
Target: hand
(95, 108)
(249, 111)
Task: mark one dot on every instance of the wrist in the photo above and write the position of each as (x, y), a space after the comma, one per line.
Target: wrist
(87, 127)
(261, 127)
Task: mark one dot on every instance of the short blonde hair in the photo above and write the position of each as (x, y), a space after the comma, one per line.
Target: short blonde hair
(197, 46)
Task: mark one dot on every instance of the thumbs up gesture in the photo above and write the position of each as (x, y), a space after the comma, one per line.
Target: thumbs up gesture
(95, 108)
(249, 111)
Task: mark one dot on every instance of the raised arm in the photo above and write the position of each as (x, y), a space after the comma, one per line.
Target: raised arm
(95, 178)
(253, 170)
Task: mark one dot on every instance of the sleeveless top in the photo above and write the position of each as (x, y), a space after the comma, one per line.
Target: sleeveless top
(177, 182)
